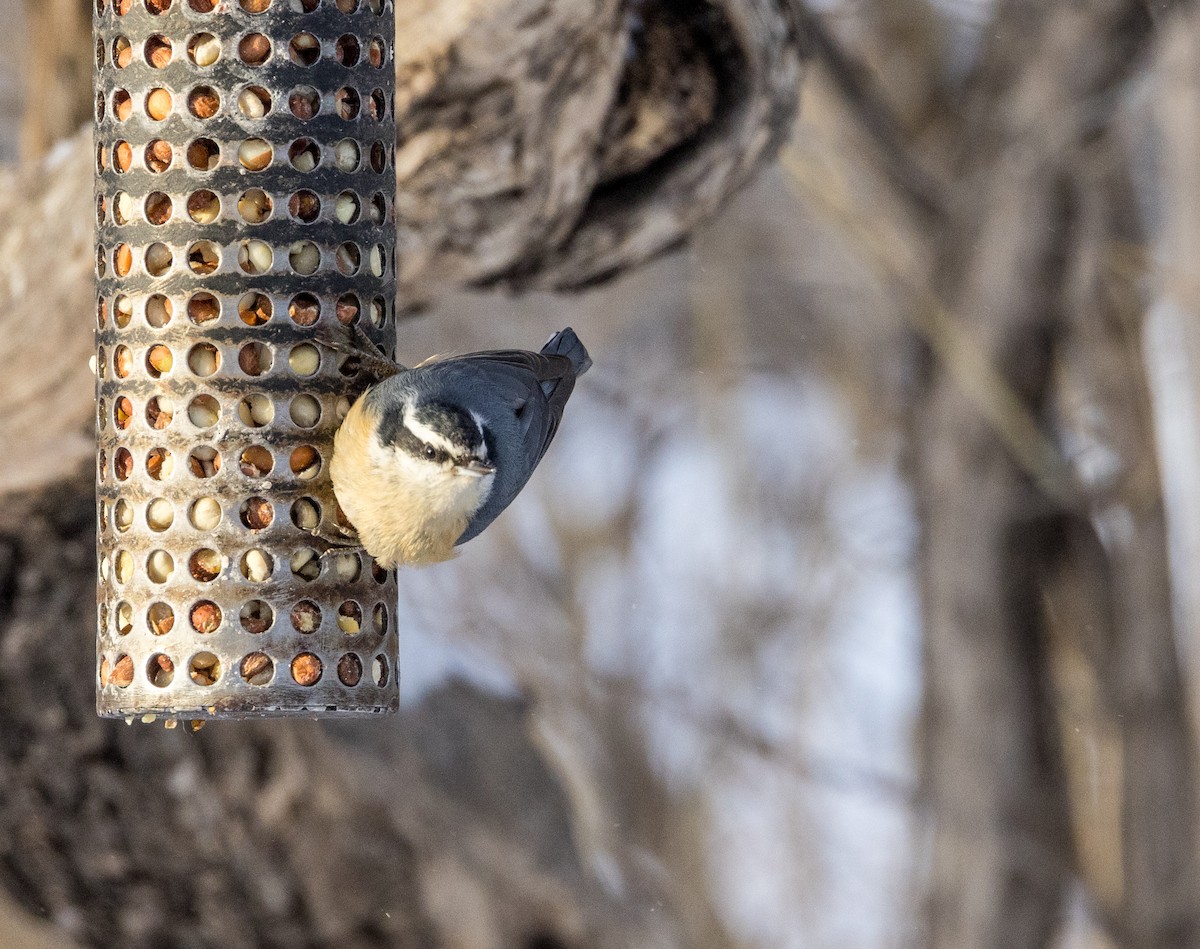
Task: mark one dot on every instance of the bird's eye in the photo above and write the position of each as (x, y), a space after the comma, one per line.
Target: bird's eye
(430, 452)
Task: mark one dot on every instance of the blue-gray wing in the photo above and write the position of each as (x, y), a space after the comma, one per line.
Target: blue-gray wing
(520, 396)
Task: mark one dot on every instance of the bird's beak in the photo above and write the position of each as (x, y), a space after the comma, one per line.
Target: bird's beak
(477, 468)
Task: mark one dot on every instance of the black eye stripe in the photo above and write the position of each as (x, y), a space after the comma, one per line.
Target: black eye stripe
(433, 453)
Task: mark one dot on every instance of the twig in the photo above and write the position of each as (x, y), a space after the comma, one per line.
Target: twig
(978, 379)
(853, 81)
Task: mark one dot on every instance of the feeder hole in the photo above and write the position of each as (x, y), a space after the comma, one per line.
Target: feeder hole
(204, 461)
(347, 50)
(378, 208)
(158, 311)
(157, 50)
(306, 564)
(255, 358)
(346, 155)
(347, 207)
(204, 565)
(304, 206)
(256, 410)
(204, 668)
(349, 670)
(257, 565)
(203, 102)
(124, 618)
(257, 668)
(304, 154)
(257, 513)
(158, 259)
(306, 669)
(305, 462)
(122, 104)
(254, 308)
(203, 257)
(122, 673)
(122, 52)
(255, 206)
(122, 412)
(205, 617)
(350, 618)
(304, 359)
(159, 464)
(255, 154)
(122, 515)
(256, 462)
(204, 49)
(123, 311)
(203, 308)
(256, 616)
(254, 102)
(159, 515)
(160, 670)
(304, 102)
(305, 411)
(159, 566)
(347, 309)
(122, 361)
(160, 618)
(204, 411)
(348, 103)
(158, 361)
(158, 105)
(203, 154)
(304, 49)
(254, 257)
(304, 258)
(203, 206)
(306, 616)
(203, 359)
(306, 514)
(123, 464)
(304, 309)
(348, 258)
(123, 566)
(347, 567)
(204, 515)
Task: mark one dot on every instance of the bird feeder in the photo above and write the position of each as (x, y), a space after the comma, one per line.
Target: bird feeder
(244, 207)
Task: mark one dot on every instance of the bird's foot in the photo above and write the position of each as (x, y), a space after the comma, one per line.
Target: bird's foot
(336, 540)
(354, 344)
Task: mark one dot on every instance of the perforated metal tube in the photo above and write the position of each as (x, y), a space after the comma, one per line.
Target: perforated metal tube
(244, 203)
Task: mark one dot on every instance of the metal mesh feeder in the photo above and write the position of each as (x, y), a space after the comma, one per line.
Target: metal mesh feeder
(244, 205)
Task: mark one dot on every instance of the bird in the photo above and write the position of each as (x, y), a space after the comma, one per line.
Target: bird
(427, 458)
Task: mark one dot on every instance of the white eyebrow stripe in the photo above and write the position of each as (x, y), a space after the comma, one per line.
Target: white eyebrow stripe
(483, 449)
(428, 435)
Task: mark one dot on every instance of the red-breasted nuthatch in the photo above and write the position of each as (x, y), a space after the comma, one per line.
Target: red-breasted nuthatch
(427, 458)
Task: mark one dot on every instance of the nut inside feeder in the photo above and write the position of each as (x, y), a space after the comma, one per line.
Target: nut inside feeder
(244, 196)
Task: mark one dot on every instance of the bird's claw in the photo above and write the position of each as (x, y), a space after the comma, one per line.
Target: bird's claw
(356, 344)
(336, 541)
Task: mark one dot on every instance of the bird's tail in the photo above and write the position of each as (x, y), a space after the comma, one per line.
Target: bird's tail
(566, 343)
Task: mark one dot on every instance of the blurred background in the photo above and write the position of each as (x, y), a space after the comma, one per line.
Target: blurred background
(854, 605)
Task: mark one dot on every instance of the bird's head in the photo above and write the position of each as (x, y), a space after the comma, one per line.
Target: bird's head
(437, 439)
